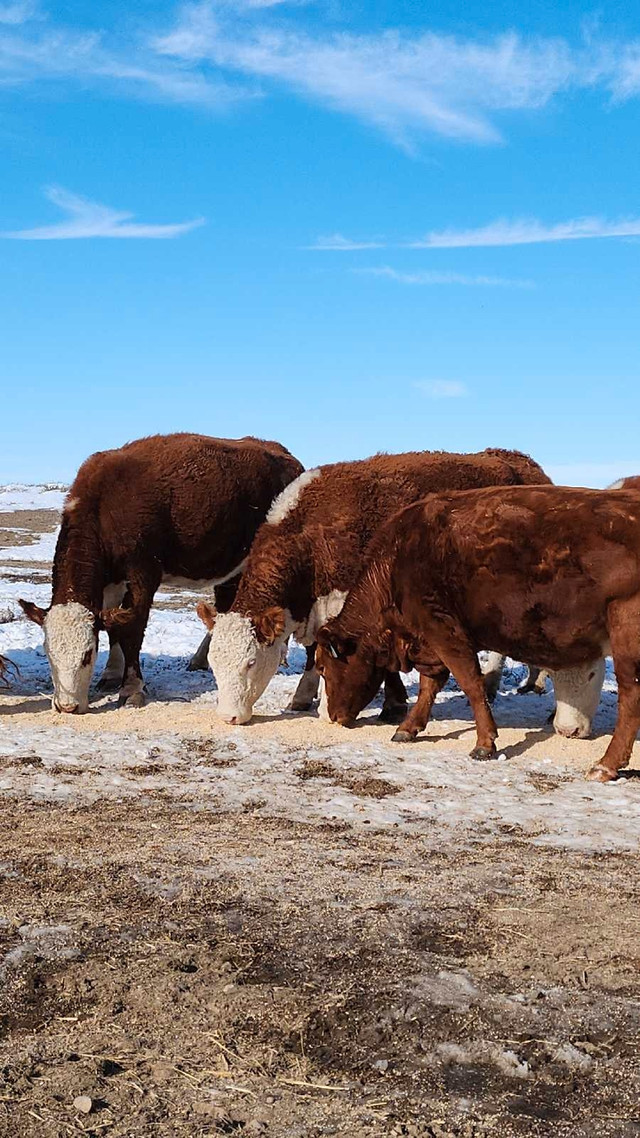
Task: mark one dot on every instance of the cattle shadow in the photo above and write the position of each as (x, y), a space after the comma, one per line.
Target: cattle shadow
(30, 707)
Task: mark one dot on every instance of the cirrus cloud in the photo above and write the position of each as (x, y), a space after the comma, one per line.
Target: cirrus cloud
(89, 219)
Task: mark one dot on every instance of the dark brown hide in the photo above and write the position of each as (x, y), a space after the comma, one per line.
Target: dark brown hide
(546, 574)
(183, 505)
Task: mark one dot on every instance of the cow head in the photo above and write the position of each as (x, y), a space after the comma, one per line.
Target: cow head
(244, 654)
(577, 692)
(71, 644)
(353, 668)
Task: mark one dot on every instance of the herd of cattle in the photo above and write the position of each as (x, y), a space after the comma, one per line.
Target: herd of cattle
(377, 566)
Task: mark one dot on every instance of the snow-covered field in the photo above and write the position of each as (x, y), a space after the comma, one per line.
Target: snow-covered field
(415, 829)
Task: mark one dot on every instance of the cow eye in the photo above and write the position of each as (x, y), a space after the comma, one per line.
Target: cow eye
(251, 664)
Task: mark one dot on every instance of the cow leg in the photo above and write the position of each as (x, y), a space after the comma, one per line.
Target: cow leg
(113, 595)
(418, 716)
(307, 688)
(618, 752)
(394, 708)
(623, 620)
(536, 682)
(112, 676)
(492, 674)
(199, 662)
(141, 589)
(456, 652)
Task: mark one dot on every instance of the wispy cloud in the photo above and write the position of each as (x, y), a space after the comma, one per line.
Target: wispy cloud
(442, 388)
(338, 243)
(89, 219)
(401, 83)
(405, 83)
(40, 52)
(527, 232)
(443, 278)
(19, 12)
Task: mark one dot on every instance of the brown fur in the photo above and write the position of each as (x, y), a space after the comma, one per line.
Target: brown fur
(546, 574)
(183, 504)
(320, 545)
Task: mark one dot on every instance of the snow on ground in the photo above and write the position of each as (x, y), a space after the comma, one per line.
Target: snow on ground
(40, 550)
(46, 496)
(295, 766)
(433, 794)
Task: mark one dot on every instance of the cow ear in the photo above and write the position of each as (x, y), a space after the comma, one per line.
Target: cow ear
(110, 619)
(270, 624)
(339, 647)
(33, 612)
(207, 614)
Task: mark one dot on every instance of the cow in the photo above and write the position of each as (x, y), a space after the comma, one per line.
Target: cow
(310, 551)
(547, 573)
(180, 508)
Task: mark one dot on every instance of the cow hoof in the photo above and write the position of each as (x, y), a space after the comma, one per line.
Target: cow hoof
(109, 683)
(299, 705)
(136, 700)
(601, 774)
(531, 689)
(483, 754)
(393, 714)
(402, 737)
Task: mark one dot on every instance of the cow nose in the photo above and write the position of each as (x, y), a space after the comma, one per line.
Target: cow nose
(233, 721)
(67, 708)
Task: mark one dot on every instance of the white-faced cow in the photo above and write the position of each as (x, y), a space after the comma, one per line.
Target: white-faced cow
(311, 550)
(176, 508)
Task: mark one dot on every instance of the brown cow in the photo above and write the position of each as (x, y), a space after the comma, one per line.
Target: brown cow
(179, 508)
(545, 573)
(311, 550)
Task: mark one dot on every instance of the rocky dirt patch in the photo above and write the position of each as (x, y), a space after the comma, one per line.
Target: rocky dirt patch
(192, 974)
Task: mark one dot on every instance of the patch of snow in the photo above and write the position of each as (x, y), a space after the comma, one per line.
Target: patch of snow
(42, 549)
(44, 496)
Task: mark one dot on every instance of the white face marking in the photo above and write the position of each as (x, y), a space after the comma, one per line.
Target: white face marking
(71, 504)
(616, 485)
(287, 500)
(241, 665)
(70, 644)
(577, 697)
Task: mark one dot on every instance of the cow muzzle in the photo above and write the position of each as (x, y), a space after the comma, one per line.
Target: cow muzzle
(66, 708)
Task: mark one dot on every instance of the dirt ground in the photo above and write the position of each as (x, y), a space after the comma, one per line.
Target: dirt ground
(22, 527)
(210, 974)
(218, 971)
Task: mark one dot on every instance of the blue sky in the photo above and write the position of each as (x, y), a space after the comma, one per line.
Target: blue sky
(351, 227)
